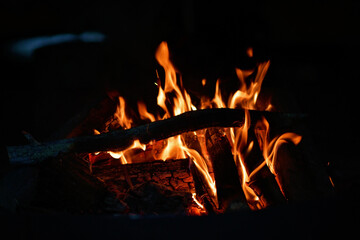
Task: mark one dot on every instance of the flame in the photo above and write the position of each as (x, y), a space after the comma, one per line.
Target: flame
(249, 52)
(217, 100)
(203, 82)
(120, 114)
(196, 201)
(241, 149)
(144, 114)
(182, 101)
(247, 96)
(125, 155)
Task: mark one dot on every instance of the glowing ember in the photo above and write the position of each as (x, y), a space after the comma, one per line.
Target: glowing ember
(174, 100)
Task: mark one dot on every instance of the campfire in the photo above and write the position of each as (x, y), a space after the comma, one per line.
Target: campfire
(196, 155)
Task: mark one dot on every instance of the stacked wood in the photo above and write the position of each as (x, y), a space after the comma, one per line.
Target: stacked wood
(120, 180)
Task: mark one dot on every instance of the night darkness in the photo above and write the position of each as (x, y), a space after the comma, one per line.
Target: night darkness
(313, 48)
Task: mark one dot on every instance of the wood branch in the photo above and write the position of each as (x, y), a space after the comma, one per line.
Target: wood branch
(226, 175)
(121, 139)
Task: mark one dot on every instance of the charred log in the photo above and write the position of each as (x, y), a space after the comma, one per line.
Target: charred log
(121, 139)
(263, 182)
(226, 176)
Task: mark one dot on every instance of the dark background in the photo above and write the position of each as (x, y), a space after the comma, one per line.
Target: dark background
(313, 47)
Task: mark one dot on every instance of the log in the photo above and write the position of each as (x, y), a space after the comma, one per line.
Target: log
(226, 175)
(202, 191)
(263, 182)
(121, 139)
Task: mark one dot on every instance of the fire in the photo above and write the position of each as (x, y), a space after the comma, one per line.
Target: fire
(173, 99)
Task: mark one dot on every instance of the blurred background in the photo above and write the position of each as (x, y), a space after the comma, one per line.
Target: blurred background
(60, 57)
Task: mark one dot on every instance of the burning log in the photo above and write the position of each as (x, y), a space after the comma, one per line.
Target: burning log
(121, 139)
(226, 176)
(201, 188)
(263, 182)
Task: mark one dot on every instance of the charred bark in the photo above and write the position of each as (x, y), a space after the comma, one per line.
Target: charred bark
(121, 139)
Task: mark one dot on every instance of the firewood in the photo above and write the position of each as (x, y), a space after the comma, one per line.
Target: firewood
(299, 179)
(263, 182)
(226, 176)
(121, 139)
(266, 188)
(202, 191)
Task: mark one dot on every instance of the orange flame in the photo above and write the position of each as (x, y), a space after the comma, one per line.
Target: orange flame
(120, 114)
(125, 156)
(246, 97)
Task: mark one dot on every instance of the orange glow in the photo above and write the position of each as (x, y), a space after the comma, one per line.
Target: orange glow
(203, 82)
(249, 52)
(120, 114)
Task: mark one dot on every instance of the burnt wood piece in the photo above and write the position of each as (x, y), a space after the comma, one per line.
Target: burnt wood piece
(174, 174)
(299, 179)
(121, 139)
(155, 187)
(202, 191)
(263, 182)
(266, 188)
(226, 175)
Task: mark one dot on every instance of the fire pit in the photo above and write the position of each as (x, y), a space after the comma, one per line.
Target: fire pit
(216, 157)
